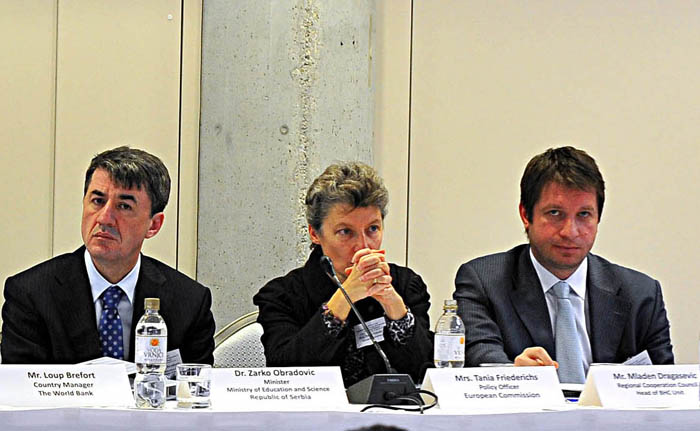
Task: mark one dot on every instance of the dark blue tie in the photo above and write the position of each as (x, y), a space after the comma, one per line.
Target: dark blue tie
(111, 331)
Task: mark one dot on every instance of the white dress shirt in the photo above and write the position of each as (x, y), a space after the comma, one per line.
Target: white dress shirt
(99, 284)
(577, 282)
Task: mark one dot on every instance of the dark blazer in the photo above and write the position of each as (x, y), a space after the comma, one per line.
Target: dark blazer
(503, 306)
(49, 313)
(295, 335)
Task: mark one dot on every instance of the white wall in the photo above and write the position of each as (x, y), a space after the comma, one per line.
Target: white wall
(496, 82)
(391, 133)
(80, 77)
(27, 76)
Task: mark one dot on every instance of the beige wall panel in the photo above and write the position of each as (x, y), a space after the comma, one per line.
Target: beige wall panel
(118, 82)
(392, 53)
(189, 138)
(495, 82)
(27, 43)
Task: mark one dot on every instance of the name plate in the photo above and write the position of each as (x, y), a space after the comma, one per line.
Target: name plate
(277, 389)
(621, 386)
(494, 388)
(65, 386)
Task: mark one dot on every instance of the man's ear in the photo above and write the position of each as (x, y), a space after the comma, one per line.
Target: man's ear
(156, 224)
(523, 216)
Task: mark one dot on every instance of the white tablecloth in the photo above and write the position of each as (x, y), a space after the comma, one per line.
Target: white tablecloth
(585, 419)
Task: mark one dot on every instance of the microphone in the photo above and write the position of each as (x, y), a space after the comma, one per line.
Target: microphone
(327, 265)
(390, 388)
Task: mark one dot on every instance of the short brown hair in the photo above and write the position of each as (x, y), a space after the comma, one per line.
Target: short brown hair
(352, 183)
(567, 166)
(130, 167)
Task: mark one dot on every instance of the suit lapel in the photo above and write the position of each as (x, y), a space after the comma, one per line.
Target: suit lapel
(608, 312)
(149, 285)
(529, 302)
(73, 297)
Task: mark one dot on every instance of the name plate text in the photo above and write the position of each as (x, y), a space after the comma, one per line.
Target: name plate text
(496, 388)
(65, 386)
(622, 386)
(277, 389)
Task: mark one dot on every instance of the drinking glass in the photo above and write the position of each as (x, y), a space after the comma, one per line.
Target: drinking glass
(193, 386)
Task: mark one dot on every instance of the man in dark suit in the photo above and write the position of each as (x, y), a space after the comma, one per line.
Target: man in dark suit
(553, 300)
(54, 312)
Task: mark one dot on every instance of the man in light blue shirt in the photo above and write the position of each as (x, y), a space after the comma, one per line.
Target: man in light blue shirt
(83, 305)
(577, 282)
(98, 285)
(552, 300)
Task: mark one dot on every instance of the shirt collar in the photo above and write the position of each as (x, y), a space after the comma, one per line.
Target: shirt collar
(577, 280)
(98, 284)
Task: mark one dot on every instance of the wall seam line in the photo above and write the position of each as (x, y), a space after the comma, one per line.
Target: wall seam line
(408, 152)
(52, 215)
(179, 135)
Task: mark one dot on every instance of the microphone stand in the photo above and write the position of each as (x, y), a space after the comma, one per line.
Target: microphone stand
(327, 265)
(377, 388)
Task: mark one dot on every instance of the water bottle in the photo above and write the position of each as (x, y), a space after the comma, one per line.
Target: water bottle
(151, 347)
(449, 338)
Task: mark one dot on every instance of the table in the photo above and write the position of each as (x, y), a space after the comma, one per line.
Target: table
(88, 419)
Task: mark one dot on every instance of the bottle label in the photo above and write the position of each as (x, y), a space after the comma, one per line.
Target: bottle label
(449, 347)
(151, 349)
